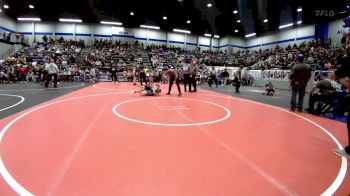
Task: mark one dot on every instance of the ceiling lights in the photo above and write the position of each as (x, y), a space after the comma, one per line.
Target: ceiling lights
(300, 9)
(165, 18)
(235, 11)
(299, 22)
(69, 20)
(28, 19)
(149, 27)
(216, 36)
(31, 6)
(250, 35)
(132, 13)
(207, 35)
(236, 30)
(6, 6)
(285, 26)
(188, 22)
(238, 21)
(265, 20)
(181, 31)
(209, 5)
(111, 23)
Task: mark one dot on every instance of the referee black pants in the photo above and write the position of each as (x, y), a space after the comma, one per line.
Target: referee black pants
(187, 81)
(49, 80)
(194, 83)
(171, 82)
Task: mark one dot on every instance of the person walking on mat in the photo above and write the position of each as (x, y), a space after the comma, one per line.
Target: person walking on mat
(173, 76)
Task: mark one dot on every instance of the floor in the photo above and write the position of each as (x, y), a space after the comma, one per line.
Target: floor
(280, 99)
(103, 140)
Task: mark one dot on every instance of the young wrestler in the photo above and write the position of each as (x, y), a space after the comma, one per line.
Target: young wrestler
(149, 90)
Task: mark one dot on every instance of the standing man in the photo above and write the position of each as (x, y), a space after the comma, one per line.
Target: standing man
(213, 78)
(238, 78)
(173, 76)
(52, 70)
(225, 76)
(193, 73)
(187, 76)
(299, 77)
(142, 75)
(114, 74)
(343, 75)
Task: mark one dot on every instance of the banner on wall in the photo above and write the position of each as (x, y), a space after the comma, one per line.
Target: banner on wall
(270, 75)
(276, 75)
(256, 74)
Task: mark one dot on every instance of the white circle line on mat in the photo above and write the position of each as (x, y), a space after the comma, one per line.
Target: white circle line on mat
(228, 114)
(344, 164)
(10, 180)
(11, 106)
(18, 188)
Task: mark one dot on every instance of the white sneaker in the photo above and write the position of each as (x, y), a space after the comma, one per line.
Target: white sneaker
(342, 153)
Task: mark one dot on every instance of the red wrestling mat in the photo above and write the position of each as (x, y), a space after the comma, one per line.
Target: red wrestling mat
(102, 140)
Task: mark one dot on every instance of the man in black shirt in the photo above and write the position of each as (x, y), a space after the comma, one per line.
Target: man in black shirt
(187, 76)
(225, 76)
(212, 78)
(114, 74)
(343, 75)
(238, 78)
(194, 72)
(173, 76)
(299, 77)
(142, 75)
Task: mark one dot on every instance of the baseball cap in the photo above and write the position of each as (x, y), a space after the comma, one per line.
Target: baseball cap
(300, 57)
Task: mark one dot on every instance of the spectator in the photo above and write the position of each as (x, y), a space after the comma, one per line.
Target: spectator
(324, 87)
(343, 75)
(300, 75)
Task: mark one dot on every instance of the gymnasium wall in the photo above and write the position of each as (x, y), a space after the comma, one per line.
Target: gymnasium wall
(5, 50)
(231, 43)
(90, 32)
(191, 42)
(282, 38)
(336, 30)
(7, 24)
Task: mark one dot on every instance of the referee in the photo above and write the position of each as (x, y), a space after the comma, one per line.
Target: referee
(173, 77)
(52, 70)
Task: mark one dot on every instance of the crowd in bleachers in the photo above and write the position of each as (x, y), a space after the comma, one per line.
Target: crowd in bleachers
(317, 53)
(128, 59)
(28, 64)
